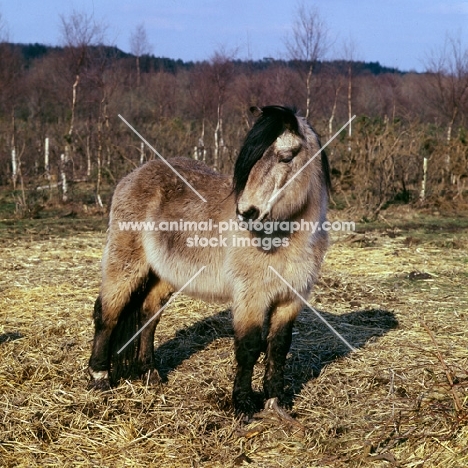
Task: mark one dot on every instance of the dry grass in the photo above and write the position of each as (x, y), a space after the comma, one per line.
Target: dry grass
(400, 400)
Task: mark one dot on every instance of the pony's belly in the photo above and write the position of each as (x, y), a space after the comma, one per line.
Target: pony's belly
(198, 273)
(202, 283)
(210, 287)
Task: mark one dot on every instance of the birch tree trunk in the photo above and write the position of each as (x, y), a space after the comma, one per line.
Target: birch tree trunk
(99, 164)
(422, 195)
(199, 152)
(88, 157)
(14, 167)
(14, 160)
(63, 177)
(333, 112)
(350, 110)
(308, 90)
(218, 136)
(46, 159)
(73, 107)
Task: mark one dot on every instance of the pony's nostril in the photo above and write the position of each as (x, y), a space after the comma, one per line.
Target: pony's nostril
(252, 213)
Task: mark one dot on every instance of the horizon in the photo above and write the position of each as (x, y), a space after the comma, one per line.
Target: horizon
(234, 59)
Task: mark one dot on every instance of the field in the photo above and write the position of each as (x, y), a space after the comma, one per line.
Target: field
(396, 290)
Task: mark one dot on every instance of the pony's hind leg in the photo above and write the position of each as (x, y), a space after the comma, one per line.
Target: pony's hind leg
(99, 361)
(115, 295)
(278, 343)
(150, 317)
(105, 320)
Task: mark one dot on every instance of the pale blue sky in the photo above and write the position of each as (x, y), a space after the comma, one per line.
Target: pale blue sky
(398, 33)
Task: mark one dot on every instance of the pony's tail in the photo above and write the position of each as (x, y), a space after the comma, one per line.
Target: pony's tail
(125, 342)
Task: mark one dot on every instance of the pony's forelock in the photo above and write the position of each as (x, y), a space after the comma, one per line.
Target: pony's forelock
(271, 123)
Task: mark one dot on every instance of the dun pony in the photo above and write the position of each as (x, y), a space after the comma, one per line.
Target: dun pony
(141, 269)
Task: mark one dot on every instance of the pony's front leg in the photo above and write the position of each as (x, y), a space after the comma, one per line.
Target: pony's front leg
(278, 344)
(248, 346)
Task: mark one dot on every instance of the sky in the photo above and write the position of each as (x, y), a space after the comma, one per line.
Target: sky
(396, 33)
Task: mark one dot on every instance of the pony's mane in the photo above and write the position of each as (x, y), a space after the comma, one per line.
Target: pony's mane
(325, 163)
(273, 121)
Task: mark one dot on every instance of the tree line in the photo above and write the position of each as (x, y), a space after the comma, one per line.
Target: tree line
(61, 138)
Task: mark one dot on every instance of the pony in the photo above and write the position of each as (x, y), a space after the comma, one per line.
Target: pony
(259, 264)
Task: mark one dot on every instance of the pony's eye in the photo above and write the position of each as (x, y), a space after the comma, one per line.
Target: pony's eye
(287, 160)
(288, 156)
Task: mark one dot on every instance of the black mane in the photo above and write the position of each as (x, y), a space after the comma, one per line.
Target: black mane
(325, 165)
(273, 121)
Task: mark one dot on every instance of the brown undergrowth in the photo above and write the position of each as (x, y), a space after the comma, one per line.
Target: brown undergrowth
(398, 294)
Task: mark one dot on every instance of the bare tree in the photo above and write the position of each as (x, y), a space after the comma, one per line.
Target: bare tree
(201, 95)
(220, 75)
(336, 83)
(448, 86)
(349, 52)
(10, 90)
(79, 32)
(448, 92)
(307, 44)
(139, 46)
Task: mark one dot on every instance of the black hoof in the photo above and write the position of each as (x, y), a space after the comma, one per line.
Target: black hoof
(151, 377)
(247, 405)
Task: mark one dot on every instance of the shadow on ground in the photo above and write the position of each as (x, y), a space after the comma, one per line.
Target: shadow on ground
(188, 341)
(10, 336)
(313, 347)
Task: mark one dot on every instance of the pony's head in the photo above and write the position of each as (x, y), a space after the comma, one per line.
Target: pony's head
(280, 166)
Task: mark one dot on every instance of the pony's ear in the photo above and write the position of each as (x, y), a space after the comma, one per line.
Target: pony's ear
(256, 111)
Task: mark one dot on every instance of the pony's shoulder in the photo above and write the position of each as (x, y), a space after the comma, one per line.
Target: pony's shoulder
(179, 163)
(191, 165)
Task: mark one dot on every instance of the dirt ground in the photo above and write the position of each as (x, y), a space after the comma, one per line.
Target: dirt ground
(396, 290)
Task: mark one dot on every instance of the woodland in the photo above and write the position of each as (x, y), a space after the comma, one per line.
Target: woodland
(63, 138)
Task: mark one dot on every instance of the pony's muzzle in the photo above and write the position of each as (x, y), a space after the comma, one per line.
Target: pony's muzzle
(251, 214)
